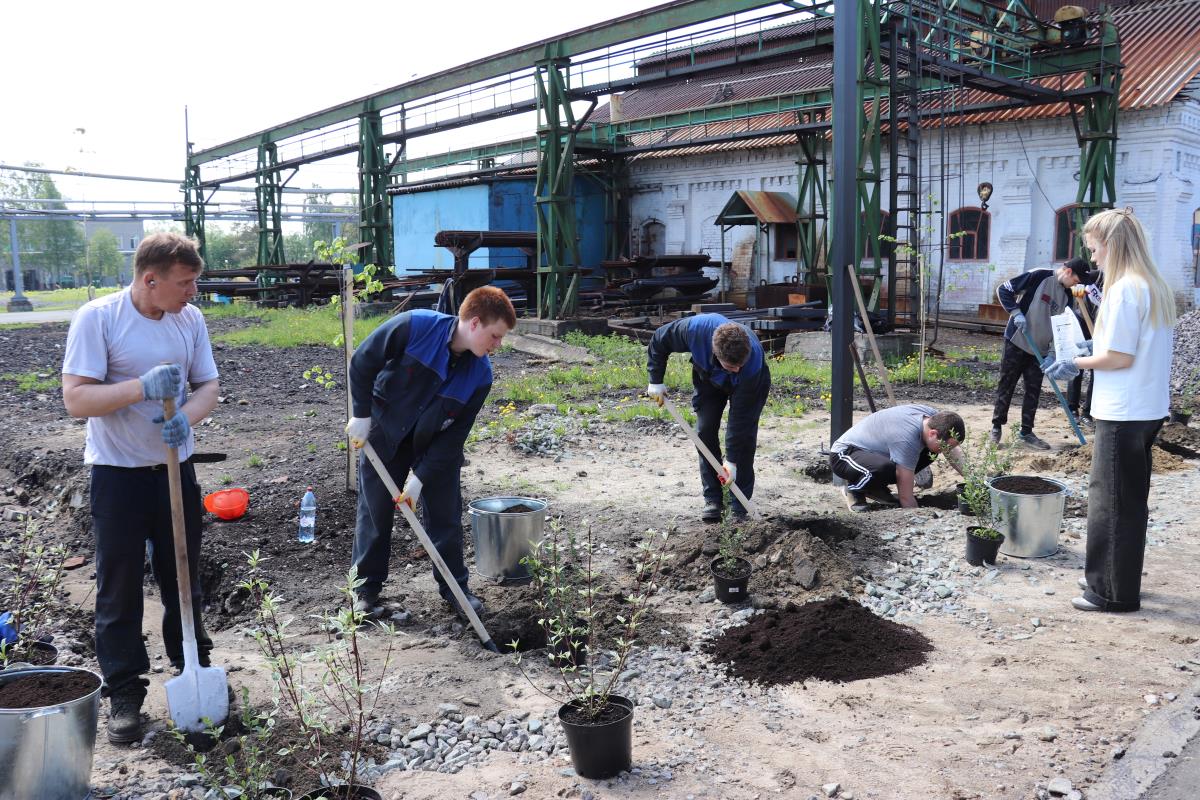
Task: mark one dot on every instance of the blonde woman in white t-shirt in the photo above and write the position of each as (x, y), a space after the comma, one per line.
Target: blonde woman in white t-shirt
(1131, 356)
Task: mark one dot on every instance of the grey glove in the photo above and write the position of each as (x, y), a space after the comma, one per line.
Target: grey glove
(162, 383)
(1085, 348)
(1018, 318)
(175, 430)
(1061, 370)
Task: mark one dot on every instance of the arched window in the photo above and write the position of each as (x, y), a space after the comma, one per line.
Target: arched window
(653, 238)
(1064, 233)
(970, 232)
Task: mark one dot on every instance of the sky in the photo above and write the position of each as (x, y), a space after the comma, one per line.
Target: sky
(102, 87)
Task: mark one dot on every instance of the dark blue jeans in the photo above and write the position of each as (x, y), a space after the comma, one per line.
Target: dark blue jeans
(441, 514)
(1117, 512)
(131, 507)
(745, 407)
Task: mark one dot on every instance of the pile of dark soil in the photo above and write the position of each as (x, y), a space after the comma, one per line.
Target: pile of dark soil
(831, 640)
(46, 689)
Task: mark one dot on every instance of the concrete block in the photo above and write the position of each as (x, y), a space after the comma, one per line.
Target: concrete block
(558, 328)
(818, 345)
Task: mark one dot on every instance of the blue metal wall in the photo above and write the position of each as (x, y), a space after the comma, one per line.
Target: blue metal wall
(417, 217)
(500, 206)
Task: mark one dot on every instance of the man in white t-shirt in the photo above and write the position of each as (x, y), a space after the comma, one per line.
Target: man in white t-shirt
(126, 353)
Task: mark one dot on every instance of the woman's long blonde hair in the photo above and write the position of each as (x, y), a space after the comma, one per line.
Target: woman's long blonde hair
(1128, 254)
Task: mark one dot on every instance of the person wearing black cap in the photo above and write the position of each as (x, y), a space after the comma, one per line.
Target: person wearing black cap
(1031, 299)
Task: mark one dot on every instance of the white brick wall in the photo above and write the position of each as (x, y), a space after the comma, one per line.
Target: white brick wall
(1032, 165)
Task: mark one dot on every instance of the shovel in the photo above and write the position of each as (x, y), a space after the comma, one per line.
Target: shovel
(708, 456)
(198, 693)
(434, 555)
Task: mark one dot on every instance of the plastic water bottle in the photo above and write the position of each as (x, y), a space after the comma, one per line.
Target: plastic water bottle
(308, 517)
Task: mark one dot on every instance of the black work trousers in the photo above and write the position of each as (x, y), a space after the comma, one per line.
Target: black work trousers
(1117, 512)
(441, 514)
(1016, 365)
(866, 470)
(130, 508)
(745, 407)
(1075, 393)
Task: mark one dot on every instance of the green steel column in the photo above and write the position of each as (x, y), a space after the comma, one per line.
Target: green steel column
(375, 228)
(193, 209)
(812, 203)
(268, 193)
(1098, 136)
(554, 202)
(873, 88)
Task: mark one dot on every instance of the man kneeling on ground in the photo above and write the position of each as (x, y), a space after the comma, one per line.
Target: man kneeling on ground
(895, 446)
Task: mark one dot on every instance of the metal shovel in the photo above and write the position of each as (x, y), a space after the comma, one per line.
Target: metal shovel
(708, 456)
(198, 694)
(430, 550)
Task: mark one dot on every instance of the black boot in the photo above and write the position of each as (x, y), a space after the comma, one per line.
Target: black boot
(125, 715)
(711, 512)
(475, 603)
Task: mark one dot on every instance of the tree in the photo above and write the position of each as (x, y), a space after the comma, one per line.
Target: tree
(233, 249)
(104, 256)
(57, 245)
(316, 202)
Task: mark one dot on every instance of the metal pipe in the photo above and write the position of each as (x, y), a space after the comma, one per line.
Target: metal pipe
(18, 302)
(208, 184)
(847, 109)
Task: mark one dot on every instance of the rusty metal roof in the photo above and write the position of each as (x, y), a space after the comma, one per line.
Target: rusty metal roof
(1160, 48)
(776, 208)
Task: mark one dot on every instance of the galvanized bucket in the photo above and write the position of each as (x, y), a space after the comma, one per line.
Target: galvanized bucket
(46, 752)
(1030, 522)
(502, 538)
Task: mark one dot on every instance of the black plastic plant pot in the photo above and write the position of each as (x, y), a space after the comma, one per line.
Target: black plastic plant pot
(1181, 417)
(731, 584)
(964, 507)
(343, 792)
(601, 747)
(980, 549)
(39, 654)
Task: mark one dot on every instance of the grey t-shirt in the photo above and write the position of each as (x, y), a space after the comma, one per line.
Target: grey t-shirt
(894, 432)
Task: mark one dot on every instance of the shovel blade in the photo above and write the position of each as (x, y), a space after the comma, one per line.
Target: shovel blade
(199, 693)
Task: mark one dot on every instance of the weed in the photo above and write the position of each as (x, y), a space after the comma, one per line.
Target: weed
(312, 447)
(33, 381)
(255, 461)
(321, 377)
(226, 480)
(33, 572)
(340, 445)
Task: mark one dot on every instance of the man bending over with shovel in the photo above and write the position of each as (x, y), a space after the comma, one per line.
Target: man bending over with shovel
(114, 374)
(896, 445)
(416, 384)
(727, 368)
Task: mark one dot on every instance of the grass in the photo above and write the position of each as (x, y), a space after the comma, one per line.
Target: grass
(34, 381)
(54, 299)
(289, 327)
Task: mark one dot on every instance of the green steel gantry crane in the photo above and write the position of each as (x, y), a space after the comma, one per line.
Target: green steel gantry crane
(895, 65)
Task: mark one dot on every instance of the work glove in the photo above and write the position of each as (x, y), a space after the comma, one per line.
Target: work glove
(657, 392)
(357, 429)
(924, 478)
(162, 383)
(1018, 318)
(412, 491)
(728, 473)
(1062, 370)
(175, 430)
(1085, 348)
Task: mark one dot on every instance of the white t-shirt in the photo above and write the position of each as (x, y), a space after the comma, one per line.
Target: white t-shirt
(110, 341)
(1142, 391)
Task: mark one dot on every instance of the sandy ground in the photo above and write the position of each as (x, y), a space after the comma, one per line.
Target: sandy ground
(998, 710)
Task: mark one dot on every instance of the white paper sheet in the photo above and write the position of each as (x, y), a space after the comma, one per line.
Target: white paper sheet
(1067, 335)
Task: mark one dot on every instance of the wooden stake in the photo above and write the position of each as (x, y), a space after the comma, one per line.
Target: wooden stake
(866, 321)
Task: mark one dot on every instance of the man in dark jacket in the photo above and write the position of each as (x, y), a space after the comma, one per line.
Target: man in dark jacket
(416, 384)
(727, 368)
(1031, 298)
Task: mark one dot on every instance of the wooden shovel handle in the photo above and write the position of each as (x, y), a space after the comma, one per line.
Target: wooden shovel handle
(183, 576)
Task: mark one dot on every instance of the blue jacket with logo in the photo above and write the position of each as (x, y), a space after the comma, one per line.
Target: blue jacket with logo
(403, 377)
(694, 335)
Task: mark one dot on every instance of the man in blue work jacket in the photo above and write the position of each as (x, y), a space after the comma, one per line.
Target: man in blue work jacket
(416, 385)
(727, 368)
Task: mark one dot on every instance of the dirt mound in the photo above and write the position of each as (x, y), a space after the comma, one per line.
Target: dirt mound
(832, 640)
(790, 555)
(1078, 460)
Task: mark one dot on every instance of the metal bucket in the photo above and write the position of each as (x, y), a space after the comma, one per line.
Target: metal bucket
(503, 538)
(1030, 522)
(46, 752)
